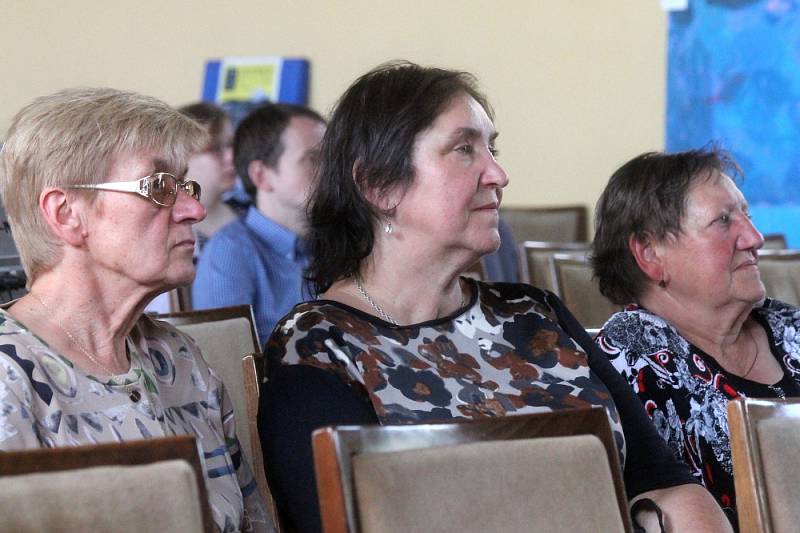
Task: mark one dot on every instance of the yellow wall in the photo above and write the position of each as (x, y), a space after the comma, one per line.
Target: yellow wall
(578, 85)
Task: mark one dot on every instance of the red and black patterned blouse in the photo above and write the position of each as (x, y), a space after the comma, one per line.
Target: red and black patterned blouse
(686, 392)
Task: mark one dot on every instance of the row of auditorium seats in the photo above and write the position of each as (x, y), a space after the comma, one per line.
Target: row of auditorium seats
(391, 478)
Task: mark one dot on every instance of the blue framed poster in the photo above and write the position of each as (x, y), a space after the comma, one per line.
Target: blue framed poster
(241, 83)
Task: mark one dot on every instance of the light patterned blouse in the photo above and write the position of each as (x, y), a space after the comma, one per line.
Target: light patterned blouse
(169, 390)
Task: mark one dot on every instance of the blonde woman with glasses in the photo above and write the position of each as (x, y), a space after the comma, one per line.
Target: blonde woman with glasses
(94, 184)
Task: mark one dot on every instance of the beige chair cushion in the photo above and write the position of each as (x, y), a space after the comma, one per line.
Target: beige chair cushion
(224, 343)
(779, 440)
(580, 292)
(548, 224)
(547, 484)
(154, 497)
(781, 279)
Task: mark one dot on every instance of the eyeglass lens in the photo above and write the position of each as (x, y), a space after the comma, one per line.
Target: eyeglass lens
(164, 188)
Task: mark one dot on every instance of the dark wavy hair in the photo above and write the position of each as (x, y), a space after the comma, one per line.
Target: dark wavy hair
(646, 197)
(258, 137)
(368, 146)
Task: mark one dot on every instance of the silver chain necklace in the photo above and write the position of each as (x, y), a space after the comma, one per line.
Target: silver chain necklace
(72, 337)
(383, 314)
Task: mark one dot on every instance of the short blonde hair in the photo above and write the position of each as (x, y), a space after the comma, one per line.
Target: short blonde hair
(72, 137)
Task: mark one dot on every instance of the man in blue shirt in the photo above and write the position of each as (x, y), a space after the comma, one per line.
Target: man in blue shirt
(259, 259)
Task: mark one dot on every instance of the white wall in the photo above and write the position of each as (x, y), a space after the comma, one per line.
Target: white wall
(578, 85)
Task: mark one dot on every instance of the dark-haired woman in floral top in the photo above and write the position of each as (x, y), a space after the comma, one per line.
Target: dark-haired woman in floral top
(406, 199)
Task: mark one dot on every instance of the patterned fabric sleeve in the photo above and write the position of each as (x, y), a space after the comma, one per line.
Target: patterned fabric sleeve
(17, 431)
(650, 465)
(255, 514)
(651, 356)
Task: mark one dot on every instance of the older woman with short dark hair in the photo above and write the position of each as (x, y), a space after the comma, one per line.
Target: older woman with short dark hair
(674, 239)
(407, 198)
(94, 183)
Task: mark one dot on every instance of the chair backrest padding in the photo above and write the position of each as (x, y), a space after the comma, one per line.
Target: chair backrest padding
(779, 440)
(545, 484)
(160, 496)
(224, 343)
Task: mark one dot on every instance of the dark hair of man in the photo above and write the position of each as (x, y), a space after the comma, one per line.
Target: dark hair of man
(258, 137)
(367, 151)
(646, 198)
(211, 116)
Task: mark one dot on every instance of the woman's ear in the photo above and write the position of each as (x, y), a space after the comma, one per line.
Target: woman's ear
(384, 201)
(62, 215)
(649, 255)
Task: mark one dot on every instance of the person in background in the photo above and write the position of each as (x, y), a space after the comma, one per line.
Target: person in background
(504, 264)
(674, 240)
(407, 197)
(94, 183)
(212, 167)
(259, 259)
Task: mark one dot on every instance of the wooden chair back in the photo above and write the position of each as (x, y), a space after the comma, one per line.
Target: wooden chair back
(228, 340)
(82, 459)
(535, 257)
(553, 224)
(352, 481)
(579, 291)
(180, 299)
(780, 273)
(774, 241)
(765, 437)
(254, 373)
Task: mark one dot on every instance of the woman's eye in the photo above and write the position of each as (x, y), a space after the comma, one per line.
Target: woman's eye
(494, 151)
(465, 149)
(725, 219)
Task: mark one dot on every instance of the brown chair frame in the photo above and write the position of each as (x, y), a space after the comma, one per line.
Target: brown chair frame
(548, 247)
(335, 446)
(557, 260)
(138, 452)
(779, 256)
(580, 212)
(784, 254)
(217, 314)
(751, 490)
(774, 241)
(253, 371)
(180, 299)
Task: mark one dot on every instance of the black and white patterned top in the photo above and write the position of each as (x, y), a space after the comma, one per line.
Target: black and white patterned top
(686, 392)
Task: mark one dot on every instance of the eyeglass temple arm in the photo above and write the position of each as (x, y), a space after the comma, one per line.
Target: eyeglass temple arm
(139, 187)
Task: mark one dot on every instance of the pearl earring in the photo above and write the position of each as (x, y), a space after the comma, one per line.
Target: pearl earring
(388, 229)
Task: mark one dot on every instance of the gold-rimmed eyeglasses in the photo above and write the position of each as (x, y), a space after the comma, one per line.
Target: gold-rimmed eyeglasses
(161, 188)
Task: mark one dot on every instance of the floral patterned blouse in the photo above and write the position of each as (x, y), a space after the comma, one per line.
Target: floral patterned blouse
(686, 392)
(511, 349)
(169, 390)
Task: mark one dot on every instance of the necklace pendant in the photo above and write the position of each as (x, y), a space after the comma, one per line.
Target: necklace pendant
(135, 396)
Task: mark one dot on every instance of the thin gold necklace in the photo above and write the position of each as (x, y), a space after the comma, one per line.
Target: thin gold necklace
(755, 358)
(383, 314)
(77, 344)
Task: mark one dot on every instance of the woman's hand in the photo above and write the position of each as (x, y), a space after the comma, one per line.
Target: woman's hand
(686, 508)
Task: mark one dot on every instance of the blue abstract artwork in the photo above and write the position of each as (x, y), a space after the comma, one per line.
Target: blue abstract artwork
(734, 79)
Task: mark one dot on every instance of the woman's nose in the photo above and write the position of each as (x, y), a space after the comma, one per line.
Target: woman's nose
(187, 208)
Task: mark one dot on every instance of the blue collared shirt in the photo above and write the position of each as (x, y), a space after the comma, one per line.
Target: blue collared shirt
(256, 261)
